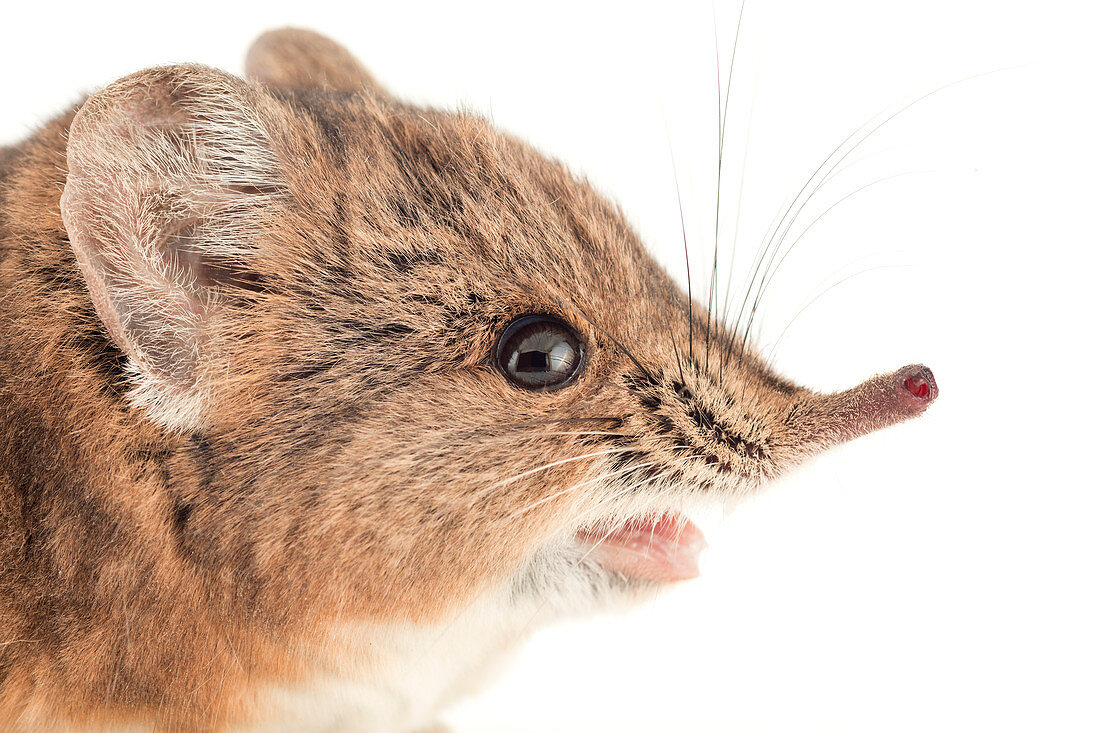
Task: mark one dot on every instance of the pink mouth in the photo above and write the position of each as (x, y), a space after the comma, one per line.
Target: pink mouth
(662, 549)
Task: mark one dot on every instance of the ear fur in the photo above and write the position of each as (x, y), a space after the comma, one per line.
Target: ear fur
(296, 58)
(167, 171)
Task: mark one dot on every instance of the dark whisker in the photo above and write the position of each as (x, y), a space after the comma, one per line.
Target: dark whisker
(775, 270)
(618, 345)
(740, 199)
(775, 345)
(723, 117)
(687, 256)
(676, 350)
(717, 193)
(829, 164)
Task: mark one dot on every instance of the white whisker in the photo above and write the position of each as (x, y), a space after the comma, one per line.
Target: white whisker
(546, 467)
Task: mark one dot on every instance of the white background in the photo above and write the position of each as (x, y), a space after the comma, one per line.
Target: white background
(938, 576)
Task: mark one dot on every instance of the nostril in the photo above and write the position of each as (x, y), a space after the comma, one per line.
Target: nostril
(917, 386)
(921, 384)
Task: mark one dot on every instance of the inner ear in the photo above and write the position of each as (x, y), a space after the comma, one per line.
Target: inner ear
(296, 58)
(184, 246)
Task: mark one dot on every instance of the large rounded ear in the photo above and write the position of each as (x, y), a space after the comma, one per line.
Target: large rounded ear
(169, 171)
(295, 58)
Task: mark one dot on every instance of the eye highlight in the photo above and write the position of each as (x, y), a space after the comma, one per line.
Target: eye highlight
(540, 353)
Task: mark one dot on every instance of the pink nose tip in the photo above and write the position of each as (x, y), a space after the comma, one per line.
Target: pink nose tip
(920, 383)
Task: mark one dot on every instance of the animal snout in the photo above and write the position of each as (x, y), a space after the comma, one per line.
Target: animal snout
(919, 382)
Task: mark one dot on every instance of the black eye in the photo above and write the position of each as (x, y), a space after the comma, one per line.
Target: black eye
(539, 353)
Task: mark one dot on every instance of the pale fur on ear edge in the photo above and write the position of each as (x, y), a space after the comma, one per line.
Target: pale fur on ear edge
(167, 169)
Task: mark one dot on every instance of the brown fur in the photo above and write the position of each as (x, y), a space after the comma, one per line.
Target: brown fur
(216, 444)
